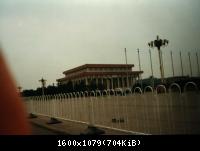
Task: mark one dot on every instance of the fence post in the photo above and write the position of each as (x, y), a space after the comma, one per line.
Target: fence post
(32, 115)
(92, 129)
(53, 119)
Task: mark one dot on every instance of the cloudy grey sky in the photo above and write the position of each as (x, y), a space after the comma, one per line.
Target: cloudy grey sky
(45, 38)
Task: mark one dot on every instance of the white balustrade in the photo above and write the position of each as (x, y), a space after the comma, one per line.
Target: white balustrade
(150, 113)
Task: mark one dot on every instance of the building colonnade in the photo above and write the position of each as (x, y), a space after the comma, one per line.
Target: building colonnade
(108, 82)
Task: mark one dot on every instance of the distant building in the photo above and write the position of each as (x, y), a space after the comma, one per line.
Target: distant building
(110, 76)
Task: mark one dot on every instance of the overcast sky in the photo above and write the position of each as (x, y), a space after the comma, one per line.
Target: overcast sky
(43, 38)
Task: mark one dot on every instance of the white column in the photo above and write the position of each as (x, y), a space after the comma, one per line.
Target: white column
(96, 81)
(73, 84)
(111, 82)
(131, 78)
(122, 82)
(118, 82)
(128, 82)
(86, 81)
(107, 80)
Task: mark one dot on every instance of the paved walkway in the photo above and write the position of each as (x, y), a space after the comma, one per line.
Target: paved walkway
(69, 127)
(38, 130)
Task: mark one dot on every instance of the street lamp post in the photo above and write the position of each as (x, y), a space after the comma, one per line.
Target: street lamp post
(181, 64)
(158, 43)
(140, 77)
(197, 64)
(190, 65)
(172, 63)
(43, 81)
(127, 83)
(152, 80)
(139, 59)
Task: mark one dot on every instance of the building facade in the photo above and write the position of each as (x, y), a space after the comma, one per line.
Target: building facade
(109, 76)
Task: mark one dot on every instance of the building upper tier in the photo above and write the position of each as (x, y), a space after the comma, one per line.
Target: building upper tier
(99, 70)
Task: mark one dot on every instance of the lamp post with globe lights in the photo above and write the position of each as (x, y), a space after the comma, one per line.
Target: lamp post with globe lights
(19, 89)
(158, 43)
(43, 81)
